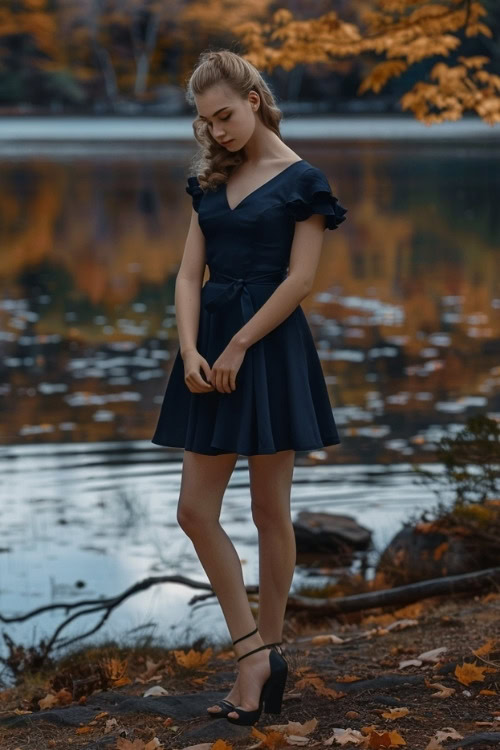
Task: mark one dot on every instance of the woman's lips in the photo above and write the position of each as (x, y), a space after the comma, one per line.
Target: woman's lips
(224, 143)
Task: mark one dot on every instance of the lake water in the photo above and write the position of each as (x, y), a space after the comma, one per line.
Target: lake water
(405, 312)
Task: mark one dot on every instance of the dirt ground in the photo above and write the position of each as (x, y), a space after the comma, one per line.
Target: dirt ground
(341, 676)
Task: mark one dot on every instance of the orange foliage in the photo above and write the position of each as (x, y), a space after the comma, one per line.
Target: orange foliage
(405, 32)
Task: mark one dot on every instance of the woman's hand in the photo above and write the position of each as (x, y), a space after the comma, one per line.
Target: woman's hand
(193, 362)
(226, 366)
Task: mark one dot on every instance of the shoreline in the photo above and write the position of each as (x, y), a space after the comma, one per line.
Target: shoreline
(36, 128)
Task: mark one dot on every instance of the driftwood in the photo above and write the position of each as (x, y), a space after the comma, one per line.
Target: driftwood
(412, 592)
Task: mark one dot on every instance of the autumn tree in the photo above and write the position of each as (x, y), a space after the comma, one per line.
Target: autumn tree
(402, 32)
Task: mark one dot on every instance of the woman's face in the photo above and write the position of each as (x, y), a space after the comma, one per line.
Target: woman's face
(230, 119)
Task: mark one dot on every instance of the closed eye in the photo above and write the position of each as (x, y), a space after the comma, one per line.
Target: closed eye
(222, 118)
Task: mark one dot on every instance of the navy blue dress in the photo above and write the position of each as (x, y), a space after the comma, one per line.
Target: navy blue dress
(281, 400)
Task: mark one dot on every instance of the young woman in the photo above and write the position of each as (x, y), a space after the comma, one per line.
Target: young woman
(247, 379)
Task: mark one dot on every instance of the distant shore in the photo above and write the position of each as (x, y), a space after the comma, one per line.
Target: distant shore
(19, 129)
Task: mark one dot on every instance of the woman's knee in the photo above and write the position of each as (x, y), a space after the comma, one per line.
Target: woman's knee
(192, 520)
(268, 512)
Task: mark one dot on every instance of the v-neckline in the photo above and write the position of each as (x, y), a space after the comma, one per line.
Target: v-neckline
(297, 161)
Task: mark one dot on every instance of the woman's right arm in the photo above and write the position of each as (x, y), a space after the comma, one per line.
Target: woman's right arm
(188, 286)
(187, 308)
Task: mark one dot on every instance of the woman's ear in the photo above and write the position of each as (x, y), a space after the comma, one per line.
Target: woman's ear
(254, 99)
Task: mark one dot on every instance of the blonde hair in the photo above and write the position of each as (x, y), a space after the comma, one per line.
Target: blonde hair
(213, 164)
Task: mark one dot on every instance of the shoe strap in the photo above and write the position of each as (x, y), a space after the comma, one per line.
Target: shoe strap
(245, 636)
(259, 648)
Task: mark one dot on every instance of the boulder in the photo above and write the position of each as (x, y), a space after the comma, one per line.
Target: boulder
(328, 533)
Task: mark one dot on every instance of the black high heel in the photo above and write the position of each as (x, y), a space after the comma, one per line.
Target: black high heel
(226, 704)
(271, 696)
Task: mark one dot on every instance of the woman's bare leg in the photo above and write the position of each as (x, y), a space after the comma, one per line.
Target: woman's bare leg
(203, 483)
(270, 487)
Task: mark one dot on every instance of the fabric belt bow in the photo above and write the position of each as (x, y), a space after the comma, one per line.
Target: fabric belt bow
(238, 286)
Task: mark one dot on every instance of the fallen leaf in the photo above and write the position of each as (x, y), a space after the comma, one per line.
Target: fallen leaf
(411, 610)
(434, 745)
(395, 713)
(63, 697)
(110, 725)
(487, 692)
(115, 669)
(467, 673)
(345, 736)
(443, 691)
(320, 640)
(295, 727)
(296, 739)
(219, 744)
(433, 655)
(448, 733)
(152, 668)
(49, 701)
(124, 744)
(193, 659)
(410, 663)
(386, 739)
(401, 624)
(486, 648)
(155, 690)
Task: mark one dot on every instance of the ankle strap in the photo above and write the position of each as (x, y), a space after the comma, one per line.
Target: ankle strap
(259, 648)
(245, 636)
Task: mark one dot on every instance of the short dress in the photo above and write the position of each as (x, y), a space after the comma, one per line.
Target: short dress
(281, 400)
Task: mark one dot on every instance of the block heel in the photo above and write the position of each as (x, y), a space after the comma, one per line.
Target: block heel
(275, 686)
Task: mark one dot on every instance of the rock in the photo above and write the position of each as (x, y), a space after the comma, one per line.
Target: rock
(329, 533)
(179, 707)
(413, 556)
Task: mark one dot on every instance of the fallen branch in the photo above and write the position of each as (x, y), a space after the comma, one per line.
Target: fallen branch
(97, 605)
(412, 592)
(468, 582)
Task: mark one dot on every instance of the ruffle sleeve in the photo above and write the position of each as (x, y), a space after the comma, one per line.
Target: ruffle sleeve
(312, 195)
(195, 191)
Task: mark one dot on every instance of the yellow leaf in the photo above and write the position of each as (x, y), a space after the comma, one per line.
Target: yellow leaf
(467, 673)
(221, 745)
(488, 692)
(193, 659)
(486, 648)
(386, 739)
(395, 713)
(113, 668)
(396, 739)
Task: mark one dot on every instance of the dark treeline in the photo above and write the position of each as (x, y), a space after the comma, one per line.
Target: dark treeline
(133, 56)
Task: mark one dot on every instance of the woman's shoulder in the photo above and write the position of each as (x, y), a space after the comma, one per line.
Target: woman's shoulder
(194, 189)
(310, 172)
(311, 193)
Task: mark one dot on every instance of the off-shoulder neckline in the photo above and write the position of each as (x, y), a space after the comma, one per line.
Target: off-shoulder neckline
(264, 184)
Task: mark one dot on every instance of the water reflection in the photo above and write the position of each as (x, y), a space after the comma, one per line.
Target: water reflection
(87, 522)
(405, 311)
